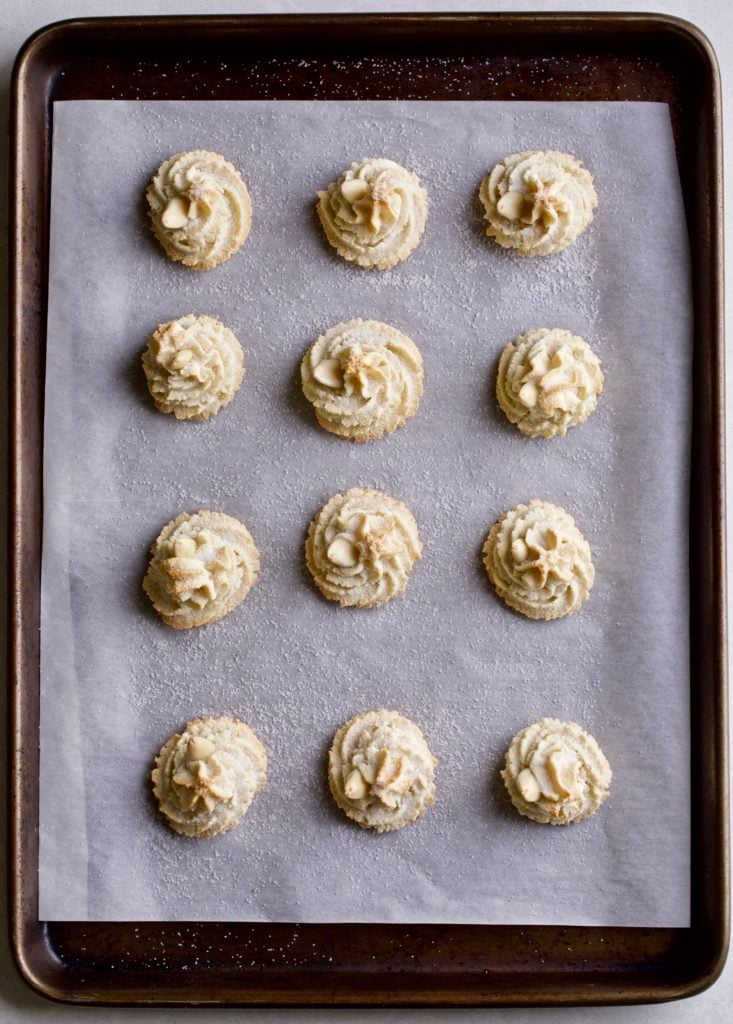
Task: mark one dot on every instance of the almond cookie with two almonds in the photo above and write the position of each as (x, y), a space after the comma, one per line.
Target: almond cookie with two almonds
(380, 770)
(555, 772)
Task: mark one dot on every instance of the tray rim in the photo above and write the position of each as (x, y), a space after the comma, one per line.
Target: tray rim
(16, 612)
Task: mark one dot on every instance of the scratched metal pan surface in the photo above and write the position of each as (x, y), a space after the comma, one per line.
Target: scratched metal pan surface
(459, 57)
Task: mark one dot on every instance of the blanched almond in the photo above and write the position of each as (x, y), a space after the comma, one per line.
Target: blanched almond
(175, 214)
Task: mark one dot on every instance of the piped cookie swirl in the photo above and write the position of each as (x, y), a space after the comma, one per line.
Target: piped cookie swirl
(361, 548)
(555, 772)
(549, 380)
(201, 567)
(363, 378)
(538, 561)
(375, 213)
(194, 366)
(380, 771)
(206, 777)
(538, 201)
(200, 209)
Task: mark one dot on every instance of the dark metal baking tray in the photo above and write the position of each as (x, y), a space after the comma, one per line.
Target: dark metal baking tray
(456, 56)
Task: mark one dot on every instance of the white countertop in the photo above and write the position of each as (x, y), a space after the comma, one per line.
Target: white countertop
(19, 18)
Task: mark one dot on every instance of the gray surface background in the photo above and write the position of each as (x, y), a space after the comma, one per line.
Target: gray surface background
(116, 681)
(18, 1005)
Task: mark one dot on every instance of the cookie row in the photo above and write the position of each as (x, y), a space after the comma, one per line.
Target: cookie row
(374, 215)
(360, 550)
(381, 773)
(364, 378)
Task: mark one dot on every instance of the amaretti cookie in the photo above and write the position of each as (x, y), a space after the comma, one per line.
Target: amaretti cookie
(538, 202)
(201, 567)
(194, 366)
(555, 773)
(548, 381)
(361, 548)
(538, 561)
(375, 214)
(200, 208)
(206, 777)
(380, 771)
(364, 379)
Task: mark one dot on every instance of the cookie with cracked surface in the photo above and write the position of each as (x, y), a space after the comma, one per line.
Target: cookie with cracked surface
(201, 567)
(206, 777)
(380, 771)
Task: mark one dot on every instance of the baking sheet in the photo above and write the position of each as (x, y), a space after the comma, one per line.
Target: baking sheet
(116, 682)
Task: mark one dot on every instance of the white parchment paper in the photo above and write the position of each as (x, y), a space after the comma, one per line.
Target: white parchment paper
(116, 682)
